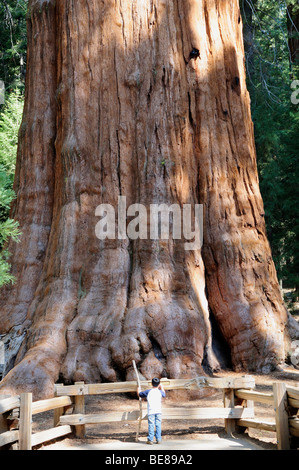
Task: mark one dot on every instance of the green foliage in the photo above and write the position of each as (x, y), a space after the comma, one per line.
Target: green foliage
(270, 75)
(13, 45)
(10, 119)
(13, 42)
(10, 122)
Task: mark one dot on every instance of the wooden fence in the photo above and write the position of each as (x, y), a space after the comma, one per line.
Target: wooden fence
(70, 417)
(285, 400)
(16, 421)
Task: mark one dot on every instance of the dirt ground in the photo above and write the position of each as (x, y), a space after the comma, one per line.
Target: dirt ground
(173, 430)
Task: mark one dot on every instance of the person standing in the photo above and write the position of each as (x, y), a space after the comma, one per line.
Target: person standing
(154, 397)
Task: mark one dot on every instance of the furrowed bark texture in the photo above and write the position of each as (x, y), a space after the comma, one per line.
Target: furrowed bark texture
(116, 106)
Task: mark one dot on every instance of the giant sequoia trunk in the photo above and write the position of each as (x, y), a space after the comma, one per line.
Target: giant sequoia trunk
(117, 105)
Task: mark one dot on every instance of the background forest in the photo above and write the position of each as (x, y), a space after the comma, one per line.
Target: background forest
(272, 58)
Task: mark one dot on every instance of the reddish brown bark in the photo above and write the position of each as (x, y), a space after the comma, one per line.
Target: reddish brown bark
(116, 106)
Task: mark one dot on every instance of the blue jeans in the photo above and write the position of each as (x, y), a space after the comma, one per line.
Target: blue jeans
(154, 421)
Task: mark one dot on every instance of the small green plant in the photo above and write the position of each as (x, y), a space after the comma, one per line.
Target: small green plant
(10, 120)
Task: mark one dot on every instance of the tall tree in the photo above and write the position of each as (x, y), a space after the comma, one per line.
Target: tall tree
(146, 100)
(269, 61)
(293, 30)
(10, 119)
(13, 43)
(247, 10)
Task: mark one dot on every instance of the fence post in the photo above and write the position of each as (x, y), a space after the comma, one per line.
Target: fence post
(140, 402)
(58, 411)
(281, 416)
(25, 423)
(3, 417)
(229, 402)
(79, 402)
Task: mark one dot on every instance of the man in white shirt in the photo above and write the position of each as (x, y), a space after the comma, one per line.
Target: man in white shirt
(154, 409)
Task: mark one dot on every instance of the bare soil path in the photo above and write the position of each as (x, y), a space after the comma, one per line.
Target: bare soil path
(206, 442)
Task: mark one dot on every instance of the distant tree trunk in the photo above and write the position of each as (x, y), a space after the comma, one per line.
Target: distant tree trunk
(293, 32)
(116, 105)
(248, 33)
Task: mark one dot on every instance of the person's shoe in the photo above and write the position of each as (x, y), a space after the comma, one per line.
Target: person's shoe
(159, 442)
(149, 442)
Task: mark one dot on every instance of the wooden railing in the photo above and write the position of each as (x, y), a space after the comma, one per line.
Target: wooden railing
(79, 419)
(7, 406)
(285, 400)
(20, 410)
(238, 411)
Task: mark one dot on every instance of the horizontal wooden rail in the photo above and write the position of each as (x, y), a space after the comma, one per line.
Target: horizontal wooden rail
(113, 417)
(293, 396)
(253, 423)
(293, 392)
(8, 437)
(50, 404)
(168, 414)
(50, 434)
(168, 384)
(293, 403)
(8, 404)
(207, 413)
(266, 398)
(294, 426)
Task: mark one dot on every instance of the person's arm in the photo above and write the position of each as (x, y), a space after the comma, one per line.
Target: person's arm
(162, 390)
(142, 394)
